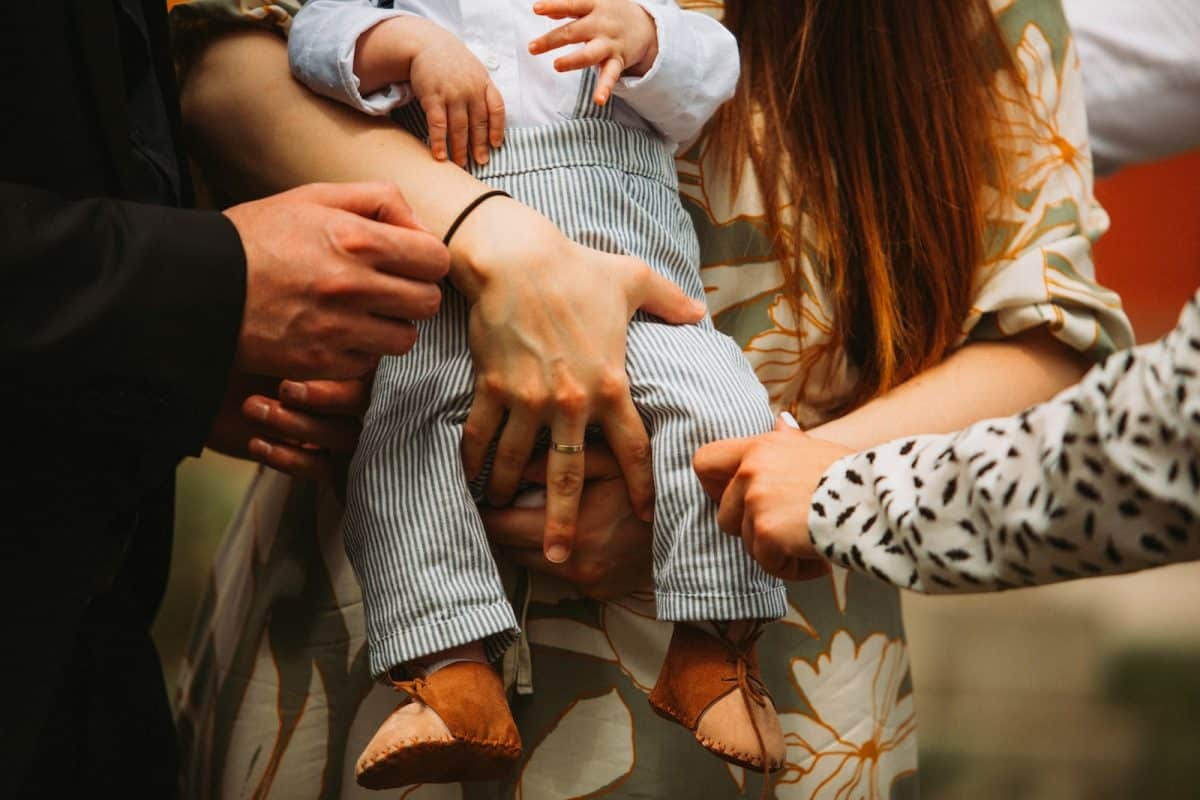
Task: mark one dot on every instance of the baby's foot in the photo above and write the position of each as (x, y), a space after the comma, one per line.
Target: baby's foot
(710, 684)
(455, 725)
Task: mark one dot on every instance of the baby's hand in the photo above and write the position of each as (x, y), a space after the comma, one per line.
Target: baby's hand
(619, 35)
(459, 99)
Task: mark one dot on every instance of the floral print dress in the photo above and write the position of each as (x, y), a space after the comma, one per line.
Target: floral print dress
(276, 700)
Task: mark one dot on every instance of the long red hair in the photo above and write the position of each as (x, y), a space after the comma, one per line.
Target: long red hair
(878, 119)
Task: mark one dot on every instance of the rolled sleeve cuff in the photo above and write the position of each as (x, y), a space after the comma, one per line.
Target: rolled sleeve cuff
(695, 72)
(321, 50)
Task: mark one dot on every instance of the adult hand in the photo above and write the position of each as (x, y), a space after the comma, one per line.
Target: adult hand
(764, 485)
(334, 275)
(307, 429)
(547, 333)
(612, 549)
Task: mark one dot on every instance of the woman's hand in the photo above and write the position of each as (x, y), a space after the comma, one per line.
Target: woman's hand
(547, 332)
(306, 429)
(764, 485)
(612, 549)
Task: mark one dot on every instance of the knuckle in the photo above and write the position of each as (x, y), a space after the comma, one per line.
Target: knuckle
(570, 398)
(533, 398)
(567, 483)
(613, 384)
(639, 452)
(493, 384)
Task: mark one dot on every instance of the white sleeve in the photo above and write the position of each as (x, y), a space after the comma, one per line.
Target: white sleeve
(321, 47)
(1104, 478)
(696, 71)
(1141, 76)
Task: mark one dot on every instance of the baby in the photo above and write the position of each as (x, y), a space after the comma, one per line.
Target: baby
(589, 143)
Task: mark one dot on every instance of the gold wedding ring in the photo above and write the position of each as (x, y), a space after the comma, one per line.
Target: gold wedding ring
(569, 449)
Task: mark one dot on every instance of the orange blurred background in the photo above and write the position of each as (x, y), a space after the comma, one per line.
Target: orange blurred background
(1151, 255)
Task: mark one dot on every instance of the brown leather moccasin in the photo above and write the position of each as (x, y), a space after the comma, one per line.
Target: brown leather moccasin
(711, 685)
(470, 736)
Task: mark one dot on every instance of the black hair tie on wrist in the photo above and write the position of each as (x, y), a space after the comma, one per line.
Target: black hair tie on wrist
(474, 204)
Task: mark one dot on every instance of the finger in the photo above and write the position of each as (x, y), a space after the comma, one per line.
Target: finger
(344, 365)
(291, 460)
(717, 462)
(768, 554)
(512, 455)
(378, 336)
(477, 112)
(460, 121)
(600, 465)
(496, 114)
(396, 251)
(536, 561)
(656, 295)
(561, 9)
(594, 53)
(564, 485)
(389, 296)
(515, 527)
(572, 33)
(733, 508)
(379, 200)
(327, 397)
(338, 434)
(626, 434)
(436, 121)
(610, 73)
(483, 422)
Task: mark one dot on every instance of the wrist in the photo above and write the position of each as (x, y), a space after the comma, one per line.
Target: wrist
(473, 247)
(384, 53)
(649, 26)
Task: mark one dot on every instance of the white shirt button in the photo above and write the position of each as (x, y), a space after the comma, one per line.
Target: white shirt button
(491, 62)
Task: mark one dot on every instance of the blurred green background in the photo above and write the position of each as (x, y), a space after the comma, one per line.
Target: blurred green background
(1086, 691)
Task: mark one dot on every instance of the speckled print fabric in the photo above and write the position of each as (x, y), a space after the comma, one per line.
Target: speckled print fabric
(1105, 478)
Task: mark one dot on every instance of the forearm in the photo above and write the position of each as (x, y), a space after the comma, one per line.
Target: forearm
(258, 132)
(1101, 479)
(981, 380)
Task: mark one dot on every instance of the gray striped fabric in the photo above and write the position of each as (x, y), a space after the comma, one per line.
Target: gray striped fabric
(413, 533)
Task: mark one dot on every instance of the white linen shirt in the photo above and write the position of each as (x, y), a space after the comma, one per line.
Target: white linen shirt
(1141, 77)
(696, 70)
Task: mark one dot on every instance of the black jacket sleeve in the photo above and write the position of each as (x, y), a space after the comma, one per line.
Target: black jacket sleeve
(118, 321)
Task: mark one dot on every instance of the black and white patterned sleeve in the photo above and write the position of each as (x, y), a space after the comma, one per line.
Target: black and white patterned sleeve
(1104, 478)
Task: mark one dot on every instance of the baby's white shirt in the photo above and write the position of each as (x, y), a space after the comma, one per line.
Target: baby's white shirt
(696, 70)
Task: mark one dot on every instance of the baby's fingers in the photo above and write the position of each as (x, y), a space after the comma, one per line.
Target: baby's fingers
(594, 53)
(435, 119)
(478, 111)
(460, 122)
(581, 30)
(610, 73)
(495, 110)
(561, 9)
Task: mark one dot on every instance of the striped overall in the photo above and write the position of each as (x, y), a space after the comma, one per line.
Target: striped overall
(412, 529)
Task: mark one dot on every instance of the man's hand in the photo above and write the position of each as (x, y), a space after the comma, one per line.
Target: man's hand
(335, 274)
(611, 558)
(307, 429)
(619, 36)
(764, 485)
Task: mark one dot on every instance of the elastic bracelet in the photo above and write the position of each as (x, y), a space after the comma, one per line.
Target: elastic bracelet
(474, 204)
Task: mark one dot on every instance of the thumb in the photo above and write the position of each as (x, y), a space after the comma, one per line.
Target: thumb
(658, 296)
(379, 201)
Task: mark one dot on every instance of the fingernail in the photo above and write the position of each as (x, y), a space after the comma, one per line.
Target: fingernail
(259, 447)
(557, 553)
(260, 411)
(789, 420)
(293, 391)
